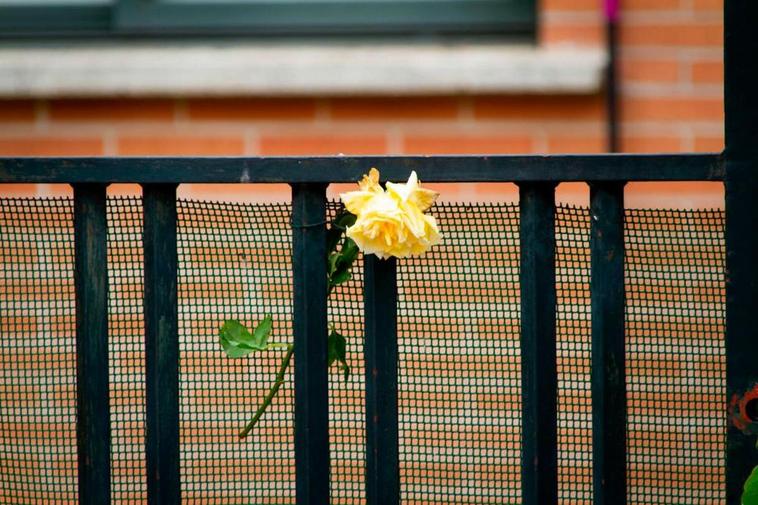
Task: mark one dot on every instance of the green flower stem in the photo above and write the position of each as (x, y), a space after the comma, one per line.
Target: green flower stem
(271, 392)
(338, 266)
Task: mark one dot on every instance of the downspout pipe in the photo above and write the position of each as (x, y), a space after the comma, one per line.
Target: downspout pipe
(612, 15)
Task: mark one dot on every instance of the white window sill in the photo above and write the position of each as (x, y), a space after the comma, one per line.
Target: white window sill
(289, 70)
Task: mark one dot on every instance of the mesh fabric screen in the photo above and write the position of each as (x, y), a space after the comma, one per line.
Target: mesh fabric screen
(459, 384)
(676, 360)
(38, 459)
(459, 357)
(347, 429)
(573, 353)
(126, 355)
(234, 263)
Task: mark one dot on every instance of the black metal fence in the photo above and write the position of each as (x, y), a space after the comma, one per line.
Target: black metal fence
(309, 177)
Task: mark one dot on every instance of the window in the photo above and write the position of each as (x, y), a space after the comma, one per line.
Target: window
(125, 18)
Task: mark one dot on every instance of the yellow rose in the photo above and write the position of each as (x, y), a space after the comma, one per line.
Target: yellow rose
(392, 222)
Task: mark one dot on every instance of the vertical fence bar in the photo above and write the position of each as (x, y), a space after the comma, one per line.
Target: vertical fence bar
(608, 359)
(539, 464)
(309, 326)
(161, 344)
(741, 184)
(93, 431)
(382, 452)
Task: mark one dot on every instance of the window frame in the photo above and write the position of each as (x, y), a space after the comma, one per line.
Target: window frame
(156, 18)
(54, 21)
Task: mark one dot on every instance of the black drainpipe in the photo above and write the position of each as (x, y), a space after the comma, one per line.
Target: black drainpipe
(612, 8)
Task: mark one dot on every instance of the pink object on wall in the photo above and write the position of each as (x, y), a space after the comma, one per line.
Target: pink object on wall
(611, 9)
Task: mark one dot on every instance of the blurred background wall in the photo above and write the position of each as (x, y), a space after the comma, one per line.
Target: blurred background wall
(63, 96)
(670, 82)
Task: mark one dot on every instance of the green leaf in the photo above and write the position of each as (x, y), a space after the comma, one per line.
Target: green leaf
(237, 341)
(340, 263)
(333, 236)
(336, 347)
(337, 352)
(339, 224)
(331, 263)
(344, 220)
(262, 332)
(340, 277)
(348, 254)
(233, 338)
(750, 495)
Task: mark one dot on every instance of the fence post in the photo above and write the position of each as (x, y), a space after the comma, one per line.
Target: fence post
(741, 184)
(161, 344)
(93, 432)
(608, 358)
(539, 458)
(310, 336)
(381, 355)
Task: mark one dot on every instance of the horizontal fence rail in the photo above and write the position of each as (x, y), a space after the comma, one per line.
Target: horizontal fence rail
(565, 168)
(537, 178)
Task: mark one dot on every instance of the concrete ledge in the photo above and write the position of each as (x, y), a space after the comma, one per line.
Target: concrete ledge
(289, 70)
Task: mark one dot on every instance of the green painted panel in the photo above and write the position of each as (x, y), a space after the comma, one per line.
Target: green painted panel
(265, 17)
(331, 16)
(53, 20)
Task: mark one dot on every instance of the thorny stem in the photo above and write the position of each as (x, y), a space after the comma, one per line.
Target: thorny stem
(271, 392)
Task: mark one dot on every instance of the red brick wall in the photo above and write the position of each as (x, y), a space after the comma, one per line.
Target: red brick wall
(671, 80)
(671, 65)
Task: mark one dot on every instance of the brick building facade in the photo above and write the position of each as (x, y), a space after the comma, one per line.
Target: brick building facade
(671, 100)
